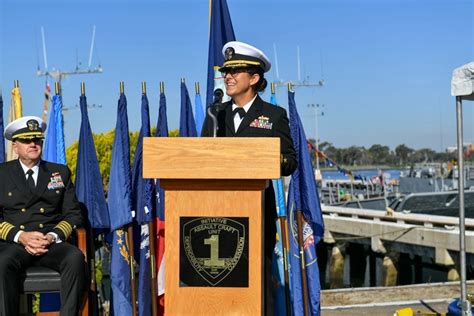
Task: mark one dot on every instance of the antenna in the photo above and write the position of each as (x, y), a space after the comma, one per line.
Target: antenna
(92, 47)
(298, 62)
(44, 50)
(321, 60)
(58, 75)
(299, 83)
(277, 73)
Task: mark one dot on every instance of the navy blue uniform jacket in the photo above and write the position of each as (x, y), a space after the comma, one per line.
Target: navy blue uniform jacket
(52, 207)
(275, 125)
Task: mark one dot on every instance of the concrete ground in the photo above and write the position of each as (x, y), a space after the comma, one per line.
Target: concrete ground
(427, 299)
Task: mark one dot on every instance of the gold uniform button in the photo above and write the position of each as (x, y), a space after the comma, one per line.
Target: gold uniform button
(22, 227)
(40, 225)
(9, 194)
(42, 210)
(23, 210)
(74, 227)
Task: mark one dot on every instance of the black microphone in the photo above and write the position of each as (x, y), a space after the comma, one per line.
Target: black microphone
(217, 106)
(218, 95)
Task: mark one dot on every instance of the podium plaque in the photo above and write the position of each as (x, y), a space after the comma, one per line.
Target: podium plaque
(214, 220)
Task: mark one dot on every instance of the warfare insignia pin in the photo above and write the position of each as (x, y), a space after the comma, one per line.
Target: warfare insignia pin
(262, 122)
(214, 251)
(229, 53)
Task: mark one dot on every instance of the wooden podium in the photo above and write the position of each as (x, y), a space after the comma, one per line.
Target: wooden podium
(214, 220)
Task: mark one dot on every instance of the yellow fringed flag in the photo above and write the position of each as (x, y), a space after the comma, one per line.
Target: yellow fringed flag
(16, 112)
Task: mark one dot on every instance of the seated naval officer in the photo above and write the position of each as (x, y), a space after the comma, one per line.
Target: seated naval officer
(247, 115)
(38, 212)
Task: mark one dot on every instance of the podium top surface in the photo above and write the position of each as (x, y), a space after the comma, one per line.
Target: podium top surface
(211, 158)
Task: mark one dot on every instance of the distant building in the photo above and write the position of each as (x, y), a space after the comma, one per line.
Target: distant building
(452, 149)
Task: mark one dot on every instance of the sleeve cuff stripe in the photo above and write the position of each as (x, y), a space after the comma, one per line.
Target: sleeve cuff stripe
(65, 227)
(5, 228)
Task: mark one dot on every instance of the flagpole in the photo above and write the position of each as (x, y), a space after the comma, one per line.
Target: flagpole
(151, 234)
(57, 88)
(90, 234)
(131, 257)
(46, 101)
(285, 243)
(304, 283)
(197, 87)
(162, 87)
(299, 222)
(284, 234)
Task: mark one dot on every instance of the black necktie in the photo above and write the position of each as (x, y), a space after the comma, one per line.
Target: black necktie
(30, 180)
(241, 112)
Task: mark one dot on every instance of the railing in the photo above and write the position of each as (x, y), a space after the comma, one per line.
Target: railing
(439, 233)
(401, 218)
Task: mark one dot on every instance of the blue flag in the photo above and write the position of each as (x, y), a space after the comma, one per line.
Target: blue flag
(120, 275)
(187, 127)
(303, 196)
(2, 141)
(278, 273)
(54, 148)
(89, 186)
(198, 113)
(161, 131)
(143, 189)
(220, 33)
(120, 212)
(143, 195)
(120, 184)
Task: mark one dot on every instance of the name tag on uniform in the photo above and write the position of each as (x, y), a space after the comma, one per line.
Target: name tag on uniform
(55, 182)
(261, 122)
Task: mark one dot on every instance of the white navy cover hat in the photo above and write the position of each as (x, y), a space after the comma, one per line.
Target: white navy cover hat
(26, 127)
(238, 55)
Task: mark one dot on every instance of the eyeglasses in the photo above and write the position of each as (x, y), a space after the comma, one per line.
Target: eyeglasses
(233, 71)
(26, 141)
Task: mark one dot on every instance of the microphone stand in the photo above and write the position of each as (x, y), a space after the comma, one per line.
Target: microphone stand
(217, 104)
(214, 121)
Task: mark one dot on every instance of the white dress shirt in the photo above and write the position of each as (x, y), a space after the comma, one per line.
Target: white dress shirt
(237, 118)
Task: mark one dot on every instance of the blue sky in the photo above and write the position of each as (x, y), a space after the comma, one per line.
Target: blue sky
(386, 64)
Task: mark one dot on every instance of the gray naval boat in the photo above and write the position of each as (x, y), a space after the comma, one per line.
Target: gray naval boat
(422, 195)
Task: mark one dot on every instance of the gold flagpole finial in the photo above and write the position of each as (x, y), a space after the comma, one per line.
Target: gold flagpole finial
(57, 88)
(122, 87)
(198, 88)
(143, 87)
(183, 80)
(290, 87)
(83, 88)
(162, 87)
(16, 84)
(273, 85)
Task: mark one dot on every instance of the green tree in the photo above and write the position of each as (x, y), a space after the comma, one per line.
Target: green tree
(379, 154)
(402, 152)
(353, 155)
(423, 155)
(103, 145)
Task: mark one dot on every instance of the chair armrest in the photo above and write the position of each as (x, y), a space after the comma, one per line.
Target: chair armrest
(82, 241)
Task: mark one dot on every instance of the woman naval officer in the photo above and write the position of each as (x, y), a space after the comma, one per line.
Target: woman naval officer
(247, 115)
